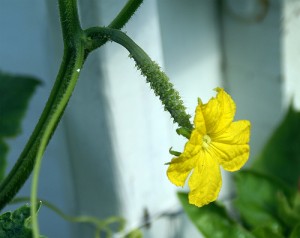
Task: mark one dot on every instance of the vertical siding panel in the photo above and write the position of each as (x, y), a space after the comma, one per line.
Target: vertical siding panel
(191, 47)
(291, 52)
(253, 65)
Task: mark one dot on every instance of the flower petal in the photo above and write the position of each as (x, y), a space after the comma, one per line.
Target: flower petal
(232, 157)
(199, 119)
(237, 133)
(179, 168)
(231, 147)
(205, 182)
(219, 112)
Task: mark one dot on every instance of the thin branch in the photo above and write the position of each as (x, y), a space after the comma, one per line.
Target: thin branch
(157, 79)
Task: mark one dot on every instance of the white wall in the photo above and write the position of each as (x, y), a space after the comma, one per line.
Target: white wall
(252, 66)
(291, 52)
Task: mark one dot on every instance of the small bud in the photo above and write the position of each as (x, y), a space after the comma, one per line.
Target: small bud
(173, 152)
(184, 132)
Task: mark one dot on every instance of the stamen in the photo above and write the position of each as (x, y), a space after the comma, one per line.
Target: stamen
(206, 141)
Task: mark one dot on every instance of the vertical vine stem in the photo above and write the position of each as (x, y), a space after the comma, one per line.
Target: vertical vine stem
(70, 23)
(58, 98)
(74, 64)
(74, 48)
(125, 14)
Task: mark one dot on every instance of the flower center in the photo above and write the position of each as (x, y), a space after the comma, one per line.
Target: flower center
(205, 141)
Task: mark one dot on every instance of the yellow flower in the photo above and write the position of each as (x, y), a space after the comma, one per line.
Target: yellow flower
(216, 140)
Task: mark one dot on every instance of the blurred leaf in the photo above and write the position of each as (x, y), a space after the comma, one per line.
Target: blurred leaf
(212, 220)
(265, 232)
(289, 213)
(135, 234)
(15, 93)
(281, 155)
(256, 200)
(16, 224)
(296, 232)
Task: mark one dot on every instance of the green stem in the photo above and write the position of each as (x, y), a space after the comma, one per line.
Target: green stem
(72, 73)
(99, 224)
(125, 14)
(73, 60)
(70, 22)
(74, 48)
(120, 20)
(157, 79)
(20, 172)
(58, 99)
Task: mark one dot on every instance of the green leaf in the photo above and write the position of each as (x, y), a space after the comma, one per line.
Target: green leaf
(15, 93)
(256, 200)
(289, 212)
(296, 232)
(16, 224)
(265, 232)
(212, 220)
(281, 155)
